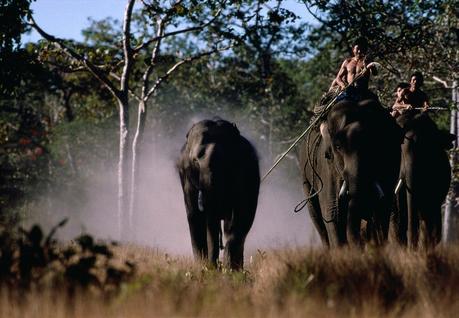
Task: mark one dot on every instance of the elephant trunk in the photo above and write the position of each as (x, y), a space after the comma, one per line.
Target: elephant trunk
(365, 200)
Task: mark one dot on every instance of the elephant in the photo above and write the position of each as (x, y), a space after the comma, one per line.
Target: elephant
(425, 176)
(350, 167)
(220, 178)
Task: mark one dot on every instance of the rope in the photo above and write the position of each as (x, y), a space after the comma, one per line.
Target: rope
(300, 206)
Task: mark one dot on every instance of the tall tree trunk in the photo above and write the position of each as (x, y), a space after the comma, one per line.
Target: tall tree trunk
(451, 219)
(123, 166)
(136, 156)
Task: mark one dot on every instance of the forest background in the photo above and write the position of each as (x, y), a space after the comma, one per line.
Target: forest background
(256, 63)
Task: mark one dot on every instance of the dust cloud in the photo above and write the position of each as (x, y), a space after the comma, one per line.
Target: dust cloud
(161, 219)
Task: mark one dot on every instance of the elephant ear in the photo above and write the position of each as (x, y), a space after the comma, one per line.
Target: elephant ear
(327, 140)
(446, 139)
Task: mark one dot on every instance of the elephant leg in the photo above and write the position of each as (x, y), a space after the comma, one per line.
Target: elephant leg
(413, 221)
(382, 220)
(234, 251)
(234, 247)
(213, 232)
(353, 227)
(431, 227)
(236, 230)
(196, 221)
(316, 215)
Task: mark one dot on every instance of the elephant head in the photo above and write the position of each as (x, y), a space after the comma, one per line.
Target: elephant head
(425, 176)
(358, 160)
(362, 144)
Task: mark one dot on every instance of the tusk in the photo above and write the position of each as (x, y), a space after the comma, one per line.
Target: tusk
(343, 190)
(379, 191)
(200, 201)
(399, 185)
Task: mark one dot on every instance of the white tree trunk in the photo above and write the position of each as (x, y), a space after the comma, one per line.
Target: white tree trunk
(123, 166)
(451, 220)
(136, 155)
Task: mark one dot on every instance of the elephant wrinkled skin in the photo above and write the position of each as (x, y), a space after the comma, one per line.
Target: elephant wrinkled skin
(425, 175)
(220, 178)
(350, 168)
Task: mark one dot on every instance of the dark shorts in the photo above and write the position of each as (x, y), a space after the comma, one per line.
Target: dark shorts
(356, 95)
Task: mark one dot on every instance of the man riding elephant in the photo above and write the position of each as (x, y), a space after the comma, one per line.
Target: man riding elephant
(355, 89)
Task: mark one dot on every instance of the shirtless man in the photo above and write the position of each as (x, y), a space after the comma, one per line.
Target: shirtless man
(410, 96)
(352, 67)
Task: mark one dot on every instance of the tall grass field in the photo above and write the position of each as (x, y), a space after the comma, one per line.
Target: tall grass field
(302, 282)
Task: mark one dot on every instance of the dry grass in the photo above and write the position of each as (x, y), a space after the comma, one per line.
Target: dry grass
(289, 283)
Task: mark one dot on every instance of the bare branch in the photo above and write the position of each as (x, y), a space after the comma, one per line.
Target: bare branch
(445, 84)
(154, 57)
(315, 16)
(181, 62)
(131, 91)
(177, 32)
(127, 49)
(66, 69)
(97, 72)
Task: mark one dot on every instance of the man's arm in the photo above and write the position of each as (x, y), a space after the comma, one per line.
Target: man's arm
(371, 66)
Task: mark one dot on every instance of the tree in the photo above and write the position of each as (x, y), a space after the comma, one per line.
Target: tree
(13, 58)
(403, 35)
(181, 18)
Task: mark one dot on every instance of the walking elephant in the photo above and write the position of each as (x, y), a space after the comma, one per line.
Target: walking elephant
(220, 178)
(425, 176)
(350, 167)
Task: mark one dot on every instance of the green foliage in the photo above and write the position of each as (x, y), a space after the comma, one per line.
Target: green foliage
(403, 35)
(13, 59)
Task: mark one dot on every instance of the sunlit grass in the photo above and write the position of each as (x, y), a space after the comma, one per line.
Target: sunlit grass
(290, 283)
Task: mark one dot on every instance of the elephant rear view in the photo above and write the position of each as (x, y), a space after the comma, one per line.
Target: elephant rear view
(220, 178)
